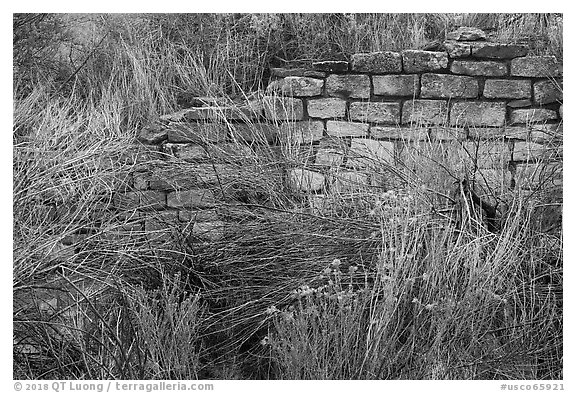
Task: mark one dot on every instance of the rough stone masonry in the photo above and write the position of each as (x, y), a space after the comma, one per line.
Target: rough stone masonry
(348, 118)
(347, 126)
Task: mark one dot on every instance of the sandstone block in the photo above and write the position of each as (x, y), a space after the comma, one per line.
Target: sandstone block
(422, 61)
(540, 133)
(215, 173)
(306, 180)
(208, 231)
(302, 132)
(385, 179)
(320, 204)
(481, 68)
(519, 103)
(198, 215)
(448, 86)
(144, 200)
(425, 112)
(444, 133)
(284, 72)
(491, 183)
(128, 229)
(178, 116)
(332, 157)
(370, 153)
(548, 91)
(486, 154)
(402, 133)
(153, 134)
(376, 112)
(140, 181)
(489, 114)
(539, 175)
(138, 159)
(231, 152)
(197, 132)
(331, 152)
(245, 111)
(253, 132)
(396, 85)
(329, 157)
(188, 99)
(348, 86)
(536, 66)
(346, 128)
(163, 240)
(250, 109)
(518, 116)
(187, 151)
(283, 108)
(326, 108)
(497, 133)
(493, 50)
(525, 151)
(550, 135)
(377, 62)
(303, 154)
(525, 132)
(466, 33)
(126, 232)
(297, 86)
(348, 181)
(502, 88)
(191, 198)
(457, 49)
(164, 178)
(161, 221)
(132, 155)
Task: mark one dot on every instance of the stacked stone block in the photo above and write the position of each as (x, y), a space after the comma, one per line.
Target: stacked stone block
(355, 118)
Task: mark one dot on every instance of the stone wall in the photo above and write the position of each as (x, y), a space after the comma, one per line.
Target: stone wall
(495, 109)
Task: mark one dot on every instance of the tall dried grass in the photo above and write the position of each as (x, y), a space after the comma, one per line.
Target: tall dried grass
(377, 286)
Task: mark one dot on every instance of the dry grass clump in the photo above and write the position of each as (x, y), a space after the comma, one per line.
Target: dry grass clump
(75, 256)
(439, 304)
